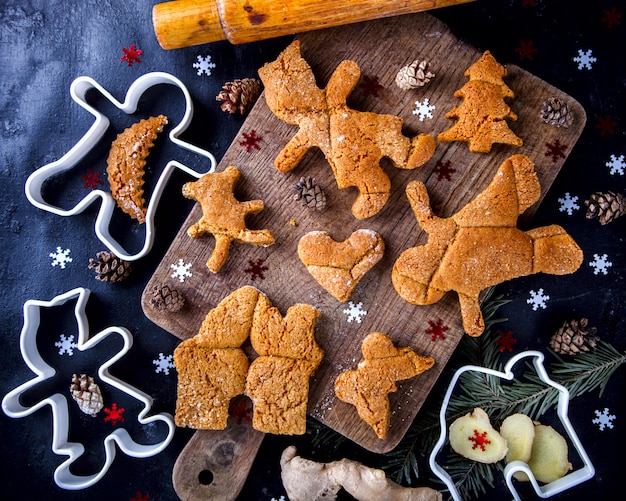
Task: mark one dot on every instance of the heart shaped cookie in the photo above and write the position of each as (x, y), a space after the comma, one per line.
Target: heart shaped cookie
(338, 266)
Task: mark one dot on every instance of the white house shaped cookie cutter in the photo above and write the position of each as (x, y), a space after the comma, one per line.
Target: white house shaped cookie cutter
(58, 403)
(572, 479)
(78, 91)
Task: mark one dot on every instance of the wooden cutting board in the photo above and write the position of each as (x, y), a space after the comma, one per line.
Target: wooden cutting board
(453, 176)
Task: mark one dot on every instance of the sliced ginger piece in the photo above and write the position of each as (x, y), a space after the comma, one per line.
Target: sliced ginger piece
(548, 460)
(519, 432)
(473, 437)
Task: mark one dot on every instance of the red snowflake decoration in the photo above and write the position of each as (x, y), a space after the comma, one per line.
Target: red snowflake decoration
(506, 341)
(480, 440)
(131, 55)
(251, 141)
(370, 86)
(444, 170)
(240, 411)
(526, 50)
(436, 330)
(114, 414)
(555, 150)
(606, 125)
(529, 3)
(92, 179)
(140, 497)
(611, 17)
(256, 268)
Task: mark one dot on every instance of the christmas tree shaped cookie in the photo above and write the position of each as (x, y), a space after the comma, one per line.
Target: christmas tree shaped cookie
(480, 246)
(223, 215)
(481, 117)
(353, 142)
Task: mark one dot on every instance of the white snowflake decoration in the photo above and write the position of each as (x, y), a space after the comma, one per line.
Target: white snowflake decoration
(600, 264)
(181, 270)
(604, 419)
(61, 257)
(355, 312)
(538, 299)
(281, 498)
(66, 345)
(163, 364)
(584, 59)
(568, 204)
(204, 65)
(617, 165)
(423, 109)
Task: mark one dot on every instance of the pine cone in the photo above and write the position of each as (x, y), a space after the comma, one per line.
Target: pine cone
(606, 206)
(109, 267)
(310, 194)
(87, 394)
(166, 298)
(417, 74)
(556, 112)
(239, 95)
(574, 337)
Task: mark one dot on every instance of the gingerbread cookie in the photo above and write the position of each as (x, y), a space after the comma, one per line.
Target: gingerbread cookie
(126, 165)
(353, 142)
(211, 366)
(481, 116)
(223, 215)
(208, 378)
(480, 246)
(339, 266)
(368, 387)
(278, 380)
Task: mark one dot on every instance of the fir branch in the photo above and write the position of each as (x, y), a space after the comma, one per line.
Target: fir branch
(471, 478)
(590, 370)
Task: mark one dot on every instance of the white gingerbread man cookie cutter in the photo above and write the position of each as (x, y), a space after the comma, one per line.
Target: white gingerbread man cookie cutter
(570, 480)
(58, 403)
(78, 90)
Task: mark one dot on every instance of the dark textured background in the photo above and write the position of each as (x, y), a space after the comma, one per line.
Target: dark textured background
(45, 45)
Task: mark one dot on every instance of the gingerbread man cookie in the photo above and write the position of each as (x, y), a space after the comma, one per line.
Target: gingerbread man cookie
(353, 142)
(223, 215)
(480, 246)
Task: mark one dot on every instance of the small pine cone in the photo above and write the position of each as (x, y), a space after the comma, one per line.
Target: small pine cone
(165, 298)
(555, 112)
(606, 206)
(109, 267)
(239, 95)
(574, 337)
(310, 194)
(417, 74)
(87, 394)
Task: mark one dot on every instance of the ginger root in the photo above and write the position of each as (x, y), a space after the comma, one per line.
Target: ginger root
(306, 480)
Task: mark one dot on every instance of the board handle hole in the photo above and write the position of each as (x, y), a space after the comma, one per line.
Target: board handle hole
(205, 477)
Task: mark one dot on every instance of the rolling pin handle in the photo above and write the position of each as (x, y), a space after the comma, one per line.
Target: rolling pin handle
(183, 23)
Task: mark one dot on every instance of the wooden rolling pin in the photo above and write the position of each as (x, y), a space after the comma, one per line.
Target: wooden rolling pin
(182, 23)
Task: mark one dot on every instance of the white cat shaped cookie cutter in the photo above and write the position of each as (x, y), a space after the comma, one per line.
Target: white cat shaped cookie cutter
(13, 407)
